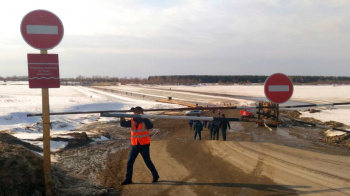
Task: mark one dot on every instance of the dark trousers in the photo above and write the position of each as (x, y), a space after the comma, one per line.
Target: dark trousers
(199, 135)
(216, 133)
(134, 152)
(223, 131)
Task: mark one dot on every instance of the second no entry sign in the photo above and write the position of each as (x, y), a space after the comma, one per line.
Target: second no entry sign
(278, 88)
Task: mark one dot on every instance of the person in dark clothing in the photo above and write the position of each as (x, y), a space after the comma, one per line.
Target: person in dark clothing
(205, 123)
(190, 122)
(214, 128)
(140, 143)
(224, 124)
(210, 129)
(198, 127)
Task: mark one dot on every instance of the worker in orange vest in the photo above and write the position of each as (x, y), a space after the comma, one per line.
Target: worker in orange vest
(140, 142)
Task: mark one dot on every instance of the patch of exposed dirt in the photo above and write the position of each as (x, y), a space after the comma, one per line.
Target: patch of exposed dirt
(79, 140)
(342, 140)
(9, 139)
(21, 170)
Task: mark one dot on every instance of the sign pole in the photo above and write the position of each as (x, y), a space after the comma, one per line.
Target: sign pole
(46, 136)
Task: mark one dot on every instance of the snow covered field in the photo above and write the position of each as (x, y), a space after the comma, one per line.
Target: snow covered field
(17, 100)
(302, 93)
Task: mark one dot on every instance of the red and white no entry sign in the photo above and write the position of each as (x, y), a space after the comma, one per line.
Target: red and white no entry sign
(42, 29)
(278, 88)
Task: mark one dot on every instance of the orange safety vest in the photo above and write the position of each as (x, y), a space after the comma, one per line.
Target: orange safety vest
(139, 134)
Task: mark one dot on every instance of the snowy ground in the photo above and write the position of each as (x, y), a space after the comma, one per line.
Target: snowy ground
(17, 100)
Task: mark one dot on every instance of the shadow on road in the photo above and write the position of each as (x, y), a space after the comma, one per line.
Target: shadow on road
(277, 189)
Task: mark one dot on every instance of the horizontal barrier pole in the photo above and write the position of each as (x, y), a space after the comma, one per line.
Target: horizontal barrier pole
(315, 105)
(118, 115)
(182, 109)
(145, 110)
(317, 125)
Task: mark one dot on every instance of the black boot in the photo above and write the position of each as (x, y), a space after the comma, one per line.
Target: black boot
(155, 179)
(126, 182)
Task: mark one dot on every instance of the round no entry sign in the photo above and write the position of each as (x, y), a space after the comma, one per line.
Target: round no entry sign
(42, 29)
(278, 88)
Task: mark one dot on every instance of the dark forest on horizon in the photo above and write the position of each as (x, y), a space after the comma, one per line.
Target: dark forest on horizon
(191, 79)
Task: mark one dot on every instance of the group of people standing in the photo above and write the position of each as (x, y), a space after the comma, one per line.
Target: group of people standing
(214, 127)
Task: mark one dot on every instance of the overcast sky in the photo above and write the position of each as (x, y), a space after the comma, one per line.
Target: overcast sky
(141, 38)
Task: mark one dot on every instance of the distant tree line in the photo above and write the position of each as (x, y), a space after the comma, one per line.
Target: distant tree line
(102, 80)
(243, 79)
(189, 79)
(14, 78)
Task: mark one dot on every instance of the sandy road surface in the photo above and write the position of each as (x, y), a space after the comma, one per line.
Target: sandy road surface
(207, 167)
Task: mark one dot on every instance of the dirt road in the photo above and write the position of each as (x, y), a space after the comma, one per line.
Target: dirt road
(190, 167)
(240, 166)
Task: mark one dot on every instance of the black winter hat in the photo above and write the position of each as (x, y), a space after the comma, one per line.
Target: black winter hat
(137, 109)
